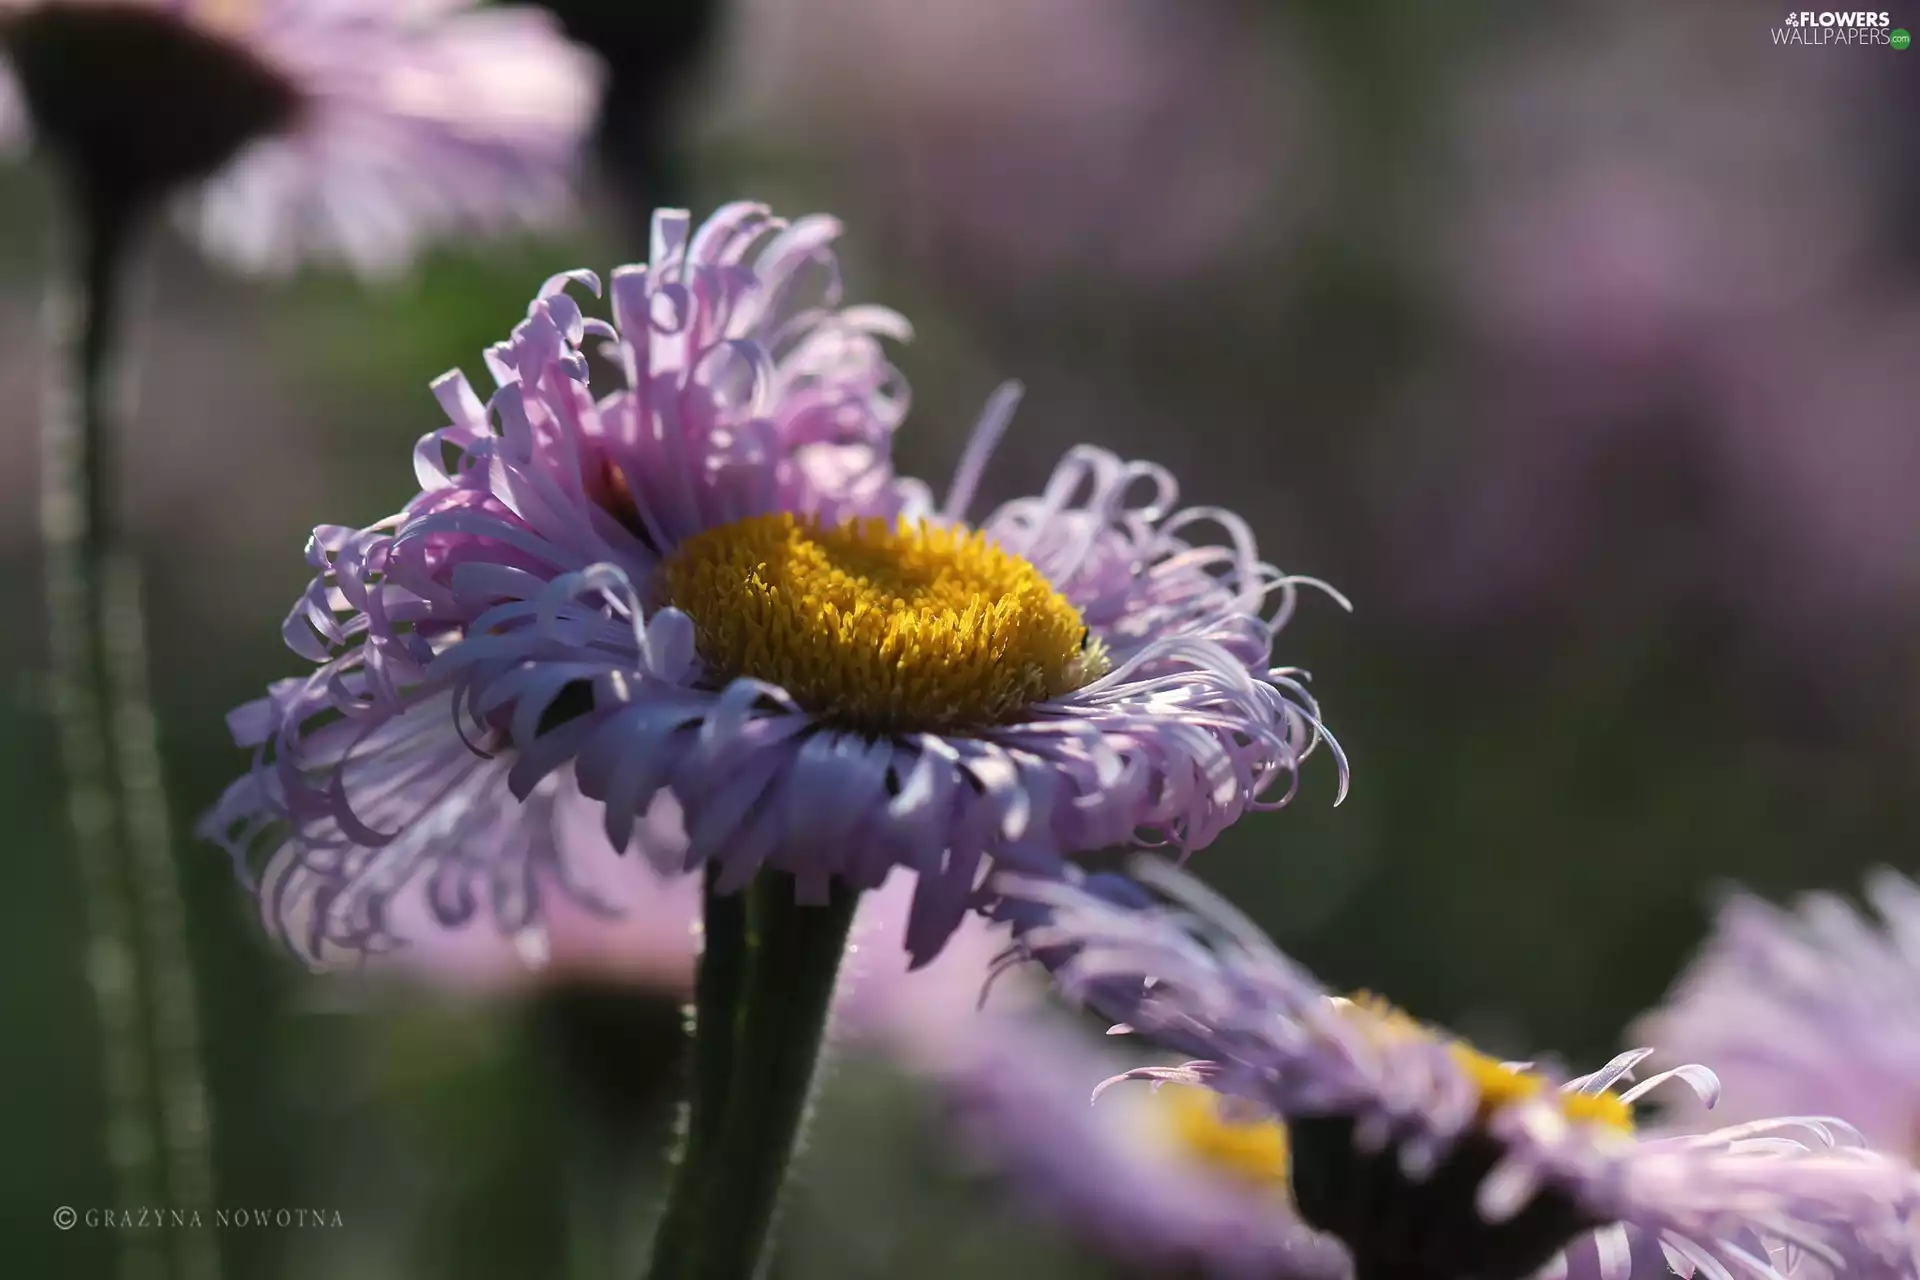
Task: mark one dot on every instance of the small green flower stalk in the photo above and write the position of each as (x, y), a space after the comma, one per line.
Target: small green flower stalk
(702, 602)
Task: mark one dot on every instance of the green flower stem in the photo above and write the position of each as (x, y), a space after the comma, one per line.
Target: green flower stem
(719, 1007)
(718, 984)
(135, 957)
(790, 982)
(766, 982)
(610, 1057)
(72, 495)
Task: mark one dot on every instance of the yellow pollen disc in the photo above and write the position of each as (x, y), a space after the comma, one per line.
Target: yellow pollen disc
(227, 15)
(877, 626)
(1499, 1085)
(1251, 1150)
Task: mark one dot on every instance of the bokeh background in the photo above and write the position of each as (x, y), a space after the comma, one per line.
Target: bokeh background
(1575, 343)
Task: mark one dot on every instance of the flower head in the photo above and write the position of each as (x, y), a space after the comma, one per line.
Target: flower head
(708, 583)
(331, 129)
(1815, 1009)
(1425, 1156)
(1169, 1180)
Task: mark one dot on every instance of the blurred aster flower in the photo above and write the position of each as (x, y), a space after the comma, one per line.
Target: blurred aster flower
(920, 1016)
(310, 129)
(587, 914)
(1612, 233)
(1816, 1008)
(1168, 1181)
(1160, 1180)
(709, 584)
(1428, 1158)
(1657, 241)
(1008, 142)
(648, 936)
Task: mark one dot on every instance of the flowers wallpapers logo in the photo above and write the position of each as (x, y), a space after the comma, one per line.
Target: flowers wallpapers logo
(1831, 27)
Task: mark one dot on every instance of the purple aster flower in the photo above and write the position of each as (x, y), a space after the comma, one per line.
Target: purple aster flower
(708, 583)
(1426, 1157)
(1163, 1180)
(312, 129)
(1814, 1008)
(1159, 1180)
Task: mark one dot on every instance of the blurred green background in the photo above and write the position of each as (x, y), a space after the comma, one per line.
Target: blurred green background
(1574, 343)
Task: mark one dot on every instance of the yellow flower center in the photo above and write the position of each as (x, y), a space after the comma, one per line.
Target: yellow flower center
(1254, 1149)
(227, 15)
(880, 627)
(1500, 1086)
(1250, 1150)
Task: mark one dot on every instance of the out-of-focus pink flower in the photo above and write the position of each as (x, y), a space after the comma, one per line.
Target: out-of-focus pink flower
(649, 936)
(1658, 229)
(1814, 427)
(1155, 1179)
(1010, 139)
(296, 130)
(1813, 1008)
(1635, 181)
(646, 934)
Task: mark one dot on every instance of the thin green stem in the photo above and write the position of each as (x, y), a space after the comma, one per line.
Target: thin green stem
(762, 1001)
(185, 1122)
(135, 952)
(75, 543)
(613, 1054)
(789, 992)
(718, 985)
(726, 947)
